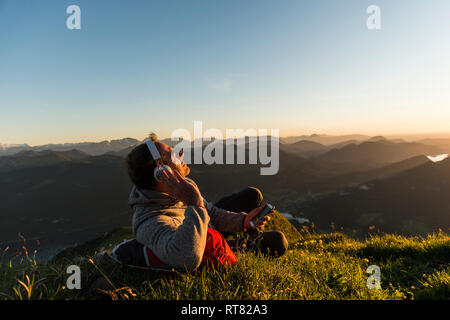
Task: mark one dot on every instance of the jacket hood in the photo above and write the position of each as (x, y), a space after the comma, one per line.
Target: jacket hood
(144, 197)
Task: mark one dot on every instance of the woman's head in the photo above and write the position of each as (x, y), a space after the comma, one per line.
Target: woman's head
(140, 164)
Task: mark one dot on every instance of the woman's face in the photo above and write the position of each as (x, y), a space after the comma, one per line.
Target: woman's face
(175, 162)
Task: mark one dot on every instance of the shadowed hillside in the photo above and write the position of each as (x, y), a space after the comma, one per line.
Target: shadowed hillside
(414, 201)
(374, 154)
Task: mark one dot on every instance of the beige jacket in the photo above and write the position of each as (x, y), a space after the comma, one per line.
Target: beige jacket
(176, 233)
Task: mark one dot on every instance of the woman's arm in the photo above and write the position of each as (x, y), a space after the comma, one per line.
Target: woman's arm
(223, 220)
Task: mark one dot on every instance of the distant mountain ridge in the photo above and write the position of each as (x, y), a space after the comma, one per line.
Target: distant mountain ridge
(363, 150)
(443, 144)
(325, 139)
(304, 146)
(91, 148)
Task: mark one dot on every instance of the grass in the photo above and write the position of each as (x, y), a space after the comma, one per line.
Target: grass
(317, 266)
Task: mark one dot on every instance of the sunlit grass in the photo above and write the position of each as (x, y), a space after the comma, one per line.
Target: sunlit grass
(318, 266)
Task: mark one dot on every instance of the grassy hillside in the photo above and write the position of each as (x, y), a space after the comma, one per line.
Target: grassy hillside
(317, 266)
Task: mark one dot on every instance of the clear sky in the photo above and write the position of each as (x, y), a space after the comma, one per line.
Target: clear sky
(156, 65)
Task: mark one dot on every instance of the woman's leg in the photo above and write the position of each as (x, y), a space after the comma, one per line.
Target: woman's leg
(244, 200)
(273, 243)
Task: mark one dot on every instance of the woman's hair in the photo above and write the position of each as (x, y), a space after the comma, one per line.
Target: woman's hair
(140, 165)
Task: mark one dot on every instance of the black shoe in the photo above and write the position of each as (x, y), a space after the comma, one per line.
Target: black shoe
(274, 243)
(133, 255)
(130, 252)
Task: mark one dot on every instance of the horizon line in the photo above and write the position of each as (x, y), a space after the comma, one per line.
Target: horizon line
(391, 135)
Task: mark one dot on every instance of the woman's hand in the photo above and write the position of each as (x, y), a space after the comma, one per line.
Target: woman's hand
(180, 189)
(253, 214)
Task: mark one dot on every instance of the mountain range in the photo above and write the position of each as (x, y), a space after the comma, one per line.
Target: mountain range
(91, 148)
(74, 195)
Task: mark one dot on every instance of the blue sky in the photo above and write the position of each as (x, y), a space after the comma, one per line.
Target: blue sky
(301, 66)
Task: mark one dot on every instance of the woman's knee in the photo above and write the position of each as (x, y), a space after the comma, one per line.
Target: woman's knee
(254, 195)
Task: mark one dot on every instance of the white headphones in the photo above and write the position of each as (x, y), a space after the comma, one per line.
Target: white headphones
(160, 167)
